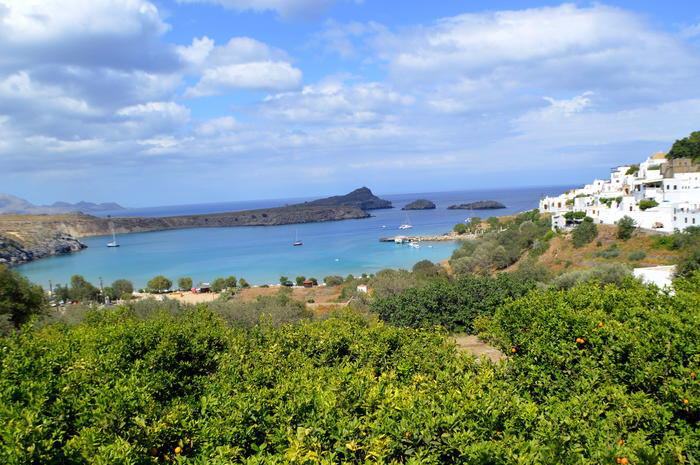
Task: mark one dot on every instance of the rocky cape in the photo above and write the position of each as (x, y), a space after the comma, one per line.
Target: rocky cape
(420, 204)
(480, 205)
(28, 237)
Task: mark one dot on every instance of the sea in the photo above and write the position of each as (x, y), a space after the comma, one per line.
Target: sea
(262, 255)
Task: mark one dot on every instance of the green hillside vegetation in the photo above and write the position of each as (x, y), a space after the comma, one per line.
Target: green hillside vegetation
(688, 147)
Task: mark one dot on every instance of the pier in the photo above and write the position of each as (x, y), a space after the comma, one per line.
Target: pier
(434, 238)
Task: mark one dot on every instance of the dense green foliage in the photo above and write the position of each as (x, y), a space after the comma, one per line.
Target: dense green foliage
(452, 304)
(688, 147)
(122, 287)
(625, 228)
(584, 233)
(647, 204)
(500, 248)
(220, 284)
(19, 299)
(159, 284)
(687, 242)
(594, 375)
(184, 283)
(333, 280)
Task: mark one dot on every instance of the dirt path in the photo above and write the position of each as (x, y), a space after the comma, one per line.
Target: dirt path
(478, 348)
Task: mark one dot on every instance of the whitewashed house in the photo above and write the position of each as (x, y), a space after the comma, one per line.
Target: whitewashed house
(659, 194)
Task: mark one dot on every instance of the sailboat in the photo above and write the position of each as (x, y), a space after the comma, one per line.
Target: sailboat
(407, 224)
(114, 242)
(297, 242)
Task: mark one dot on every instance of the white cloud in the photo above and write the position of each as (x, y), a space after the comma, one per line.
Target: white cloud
(261, 75)
(557, 126)
(567, 107)
(120, 34)
(564, 47)
(214, 126)
(334, 102)
(242, 63)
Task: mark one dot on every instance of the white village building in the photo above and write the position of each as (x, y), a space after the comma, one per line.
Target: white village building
(659, 194)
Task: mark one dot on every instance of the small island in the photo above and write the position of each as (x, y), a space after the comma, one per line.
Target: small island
(480, 205)
(420, 204)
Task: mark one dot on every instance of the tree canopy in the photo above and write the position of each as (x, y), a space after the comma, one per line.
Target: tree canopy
(688, 147)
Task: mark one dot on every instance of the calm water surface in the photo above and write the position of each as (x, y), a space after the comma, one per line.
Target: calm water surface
(263, 254)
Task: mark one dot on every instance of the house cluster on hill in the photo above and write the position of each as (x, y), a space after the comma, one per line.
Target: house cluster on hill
(661, 194)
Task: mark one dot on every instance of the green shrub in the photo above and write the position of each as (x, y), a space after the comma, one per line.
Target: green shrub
(625, 228)
(185, 283)
(613, 273)
(584, 233)
(460, 228)
(19, 299)
(646, 204)
(611, 252)
(451, 304)
(158, 284)
(594, 374)
(637, 255)
(333, 280)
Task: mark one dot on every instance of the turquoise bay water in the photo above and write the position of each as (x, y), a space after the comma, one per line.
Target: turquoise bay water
(263, 254)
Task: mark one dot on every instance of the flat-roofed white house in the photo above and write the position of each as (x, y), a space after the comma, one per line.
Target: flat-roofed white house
(657, 194)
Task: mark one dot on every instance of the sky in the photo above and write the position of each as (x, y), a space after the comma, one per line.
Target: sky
(161, 102)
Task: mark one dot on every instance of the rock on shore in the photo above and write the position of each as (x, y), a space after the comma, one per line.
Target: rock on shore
(14, 251)
(420, 204)
(480, 205)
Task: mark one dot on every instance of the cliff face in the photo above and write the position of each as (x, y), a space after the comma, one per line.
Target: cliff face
(15, 250)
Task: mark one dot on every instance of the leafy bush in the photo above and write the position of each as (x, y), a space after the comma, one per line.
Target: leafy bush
(625, 227)
(159, 284)
(584, 233)
(498, 249)
(689, 263)
(333, 280)
(460, 228)
(637, 255)
(19, 299)
(185, 283)
(611, 252)
(646, 204)
(451, 304)
(595, 375)
(122, 287)
(571, 216)
(613, 273)
(688, 147)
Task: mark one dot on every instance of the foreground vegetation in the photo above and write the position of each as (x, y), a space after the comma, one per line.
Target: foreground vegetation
(595, 375)
(600, 368)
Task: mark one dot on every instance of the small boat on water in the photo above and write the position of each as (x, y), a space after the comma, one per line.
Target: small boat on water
(407, 224)
(297, 242)
(415, 245)
(114, 242)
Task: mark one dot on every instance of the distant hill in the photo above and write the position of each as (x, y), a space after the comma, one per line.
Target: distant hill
(12, 204)
(361, 198)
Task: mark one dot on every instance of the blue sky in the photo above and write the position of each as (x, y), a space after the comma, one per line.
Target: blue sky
(150, 102)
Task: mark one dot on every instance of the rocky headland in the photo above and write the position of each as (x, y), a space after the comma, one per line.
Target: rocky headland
(480, 205)
(28, 237)
(420, 204)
